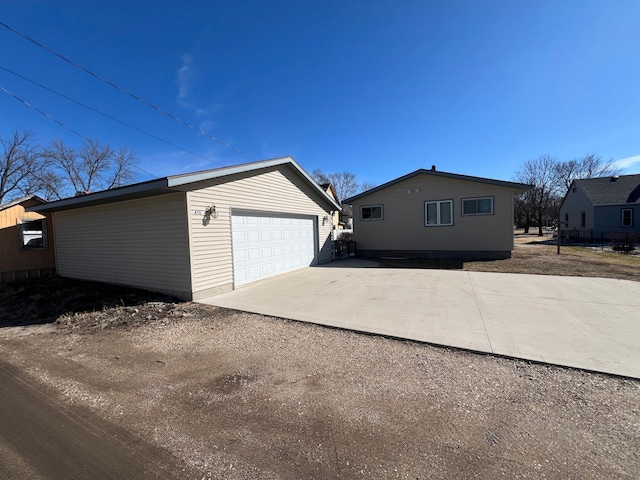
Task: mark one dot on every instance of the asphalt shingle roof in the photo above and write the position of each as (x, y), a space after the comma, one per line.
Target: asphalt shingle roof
(611, 190)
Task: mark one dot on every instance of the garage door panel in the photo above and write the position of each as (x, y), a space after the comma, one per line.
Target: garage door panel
(269, 244)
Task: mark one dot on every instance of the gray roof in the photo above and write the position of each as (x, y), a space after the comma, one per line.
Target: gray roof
(347, 211)
(616, 190)
(170, 184)
(435, 173)
(18, 201)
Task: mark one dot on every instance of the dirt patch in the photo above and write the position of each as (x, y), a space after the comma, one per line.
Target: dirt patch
(45, 300)
(537, 258)
(241, 396)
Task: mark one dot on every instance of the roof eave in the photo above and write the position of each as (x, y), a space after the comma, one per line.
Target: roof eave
(501, 183)
(18, 201)
(185, 179)
(137, 190)
(171, 183)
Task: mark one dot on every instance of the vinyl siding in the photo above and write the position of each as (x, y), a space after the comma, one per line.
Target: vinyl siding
(609, 218)
(403, 226)
(141, 243)
(574, 203)
(276, 189)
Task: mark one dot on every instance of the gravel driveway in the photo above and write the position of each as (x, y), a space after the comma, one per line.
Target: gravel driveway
(242, 396)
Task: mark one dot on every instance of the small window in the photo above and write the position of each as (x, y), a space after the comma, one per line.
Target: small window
(438, 213)
(477, 206)
(371, 212)
(627, 217)
(33, 234)
(566, 219)
(583, 219)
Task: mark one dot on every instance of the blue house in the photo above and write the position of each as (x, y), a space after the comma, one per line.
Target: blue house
(604, 207)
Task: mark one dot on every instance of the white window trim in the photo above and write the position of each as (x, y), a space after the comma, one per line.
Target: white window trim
(476, 198)
(622, 217)
(439, 203)
(22, 232)
(372, 219)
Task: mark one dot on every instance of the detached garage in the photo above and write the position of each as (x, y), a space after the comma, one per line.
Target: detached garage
(198, 234)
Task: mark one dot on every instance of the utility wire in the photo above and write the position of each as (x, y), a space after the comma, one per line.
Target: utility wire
(126, 92)
(106, 115)
(44, 114)
(55, 120)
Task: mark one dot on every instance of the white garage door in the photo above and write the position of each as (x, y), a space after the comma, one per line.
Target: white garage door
(270, 244)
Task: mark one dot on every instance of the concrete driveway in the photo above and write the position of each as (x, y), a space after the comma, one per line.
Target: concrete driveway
(588, 323)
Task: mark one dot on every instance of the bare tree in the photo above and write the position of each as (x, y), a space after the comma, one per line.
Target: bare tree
(589, 166)
(364, 186)
(344, 182)
(537, 203)
(20, 165)
(90, 168)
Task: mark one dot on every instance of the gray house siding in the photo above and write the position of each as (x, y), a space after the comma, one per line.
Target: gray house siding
(575, 203)
(601, 202)
(609, 218)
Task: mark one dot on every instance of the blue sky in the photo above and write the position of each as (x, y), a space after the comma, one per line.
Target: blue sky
(378, 88)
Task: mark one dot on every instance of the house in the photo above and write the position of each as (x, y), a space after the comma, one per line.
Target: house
(198, 234)
(432, 214)
(346, 216)
(600, 207)
(335, 215)
(26, 240)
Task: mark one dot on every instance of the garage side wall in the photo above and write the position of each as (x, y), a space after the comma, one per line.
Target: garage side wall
(140, 243)
(277, 189)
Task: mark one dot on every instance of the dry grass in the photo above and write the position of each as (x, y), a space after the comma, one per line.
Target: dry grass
(538, 256)
(573, 261)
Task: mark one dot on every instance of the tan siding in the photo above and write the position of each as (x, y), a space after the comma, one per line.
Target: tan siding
(403, 226)
(142, 243)
(277, 189)
(12, 257)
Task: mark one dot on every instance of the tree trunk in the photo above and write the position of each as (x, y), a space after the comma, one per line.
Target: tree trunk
(540, 225)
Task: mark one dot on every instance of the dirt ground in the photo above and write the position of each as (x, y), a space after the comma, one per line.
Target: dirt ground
(230, 395)
(538, 255)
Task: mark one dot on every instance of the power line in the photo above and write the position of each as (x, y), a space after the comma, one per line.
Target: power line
(126, 92)
(55, 120)
(106, 115)
(44, 114)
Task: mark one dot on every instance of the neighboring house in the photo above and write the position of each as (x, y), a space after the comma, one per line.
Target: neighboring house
(331, 191)
(598, 207)
(26, 240)
(346, 216)
(198, 234)
(431, 214)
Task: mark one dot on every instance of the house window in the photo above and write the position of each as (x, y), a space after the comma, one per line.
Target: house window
(371, 212)
(33, 234)
(477, 206)
(627, 217)
(583, 219)
(566, 219)
(438, 213)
